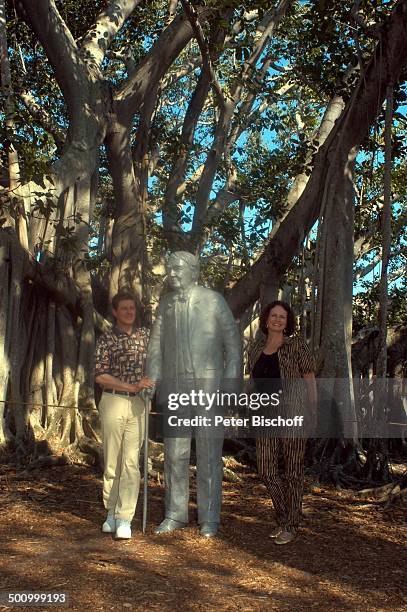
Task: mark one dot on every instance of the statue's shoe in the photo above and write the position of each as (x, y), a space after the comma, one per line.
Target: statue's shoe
(209, 530)
(169, 525)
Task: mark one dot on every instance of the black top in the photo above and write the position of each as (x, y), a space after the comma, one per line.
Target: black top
(267, 367)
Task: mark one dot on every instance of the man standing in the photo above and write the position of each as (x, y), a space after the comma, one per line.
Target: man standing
(120, 360)
(194, 343)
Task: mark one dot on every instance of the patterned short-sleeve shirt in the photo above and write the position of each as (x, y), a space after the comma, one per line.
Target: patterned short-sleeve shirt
(122, 355)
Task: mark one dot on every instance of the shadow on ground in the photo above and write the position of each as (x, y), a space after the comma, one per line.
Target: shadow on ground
(347, 557)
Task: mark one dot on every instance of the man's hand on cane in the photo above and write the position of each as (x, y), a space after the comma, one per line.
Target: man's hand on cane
(145, 383)
(147, 390)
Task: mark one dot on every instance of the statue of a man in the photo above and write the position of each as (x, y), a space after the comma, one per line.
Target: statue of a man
(194, 343)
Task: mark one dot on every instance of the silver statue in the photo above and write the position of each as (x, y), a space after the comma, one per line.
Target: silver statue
(194, 343)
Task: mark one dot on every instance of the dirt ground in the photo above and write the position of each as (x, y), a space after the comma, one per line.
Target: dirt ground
(350, 554)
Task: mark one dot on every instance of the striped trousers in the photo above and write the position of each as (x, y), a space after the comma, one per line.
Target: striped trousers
(284, 485)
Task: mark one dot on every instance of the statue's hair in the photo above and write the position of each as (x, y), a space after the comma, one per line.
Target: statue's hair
(191, 260)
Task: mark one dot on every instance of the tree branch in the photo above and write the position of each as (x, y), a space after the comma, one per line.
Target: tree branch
(172, 8)
(126, 57)
(206, 56)
(18, 204)
(40, 115)
(223, 199)
(368, 268)
(264, 32)
(371, 30)
(210, 167)
(222, 141)
(97, 40)
(363, 242)
(216, 40)
(154, 65)
(174, 76)
(59, 45)
(171, 212)
(227, 195)
(80, 89)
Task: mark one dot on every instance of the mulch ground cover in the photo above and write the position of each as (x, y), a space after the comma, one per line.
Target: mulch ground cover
(350, 554)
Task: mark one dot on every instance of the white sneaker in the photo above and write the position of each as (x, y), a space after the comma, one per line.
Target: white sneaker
(123, 530)
(109, 526)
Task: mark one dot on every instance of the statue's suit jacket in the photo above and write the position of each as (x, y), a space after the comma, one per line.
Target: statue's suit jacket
(213, 338)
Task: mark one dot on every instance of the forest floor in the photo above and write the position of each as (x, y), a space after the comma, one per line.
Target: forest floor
(348, 556)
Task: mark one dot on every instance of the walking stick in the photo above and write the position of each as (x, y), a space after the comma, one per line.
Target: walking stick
(147, 404)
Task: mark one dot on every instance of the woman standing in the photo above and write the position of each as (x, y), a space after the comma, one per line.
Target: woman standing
(283, 359)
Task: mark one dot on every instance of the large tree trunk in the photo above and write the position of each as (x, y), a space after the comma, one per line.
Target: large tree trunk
(5, 265)
(18, 205)
(270, 285)
(333, 334)
(129, 236)
(61, 207)
(377, 464)
(386, 236)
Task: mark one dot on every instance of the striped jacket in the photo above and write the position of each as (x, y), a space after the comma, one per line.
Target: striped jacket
(294, 360)
(294, 356)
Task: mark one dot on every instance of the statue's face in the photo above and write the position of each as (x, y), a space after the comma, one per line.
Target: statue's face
(180, 274)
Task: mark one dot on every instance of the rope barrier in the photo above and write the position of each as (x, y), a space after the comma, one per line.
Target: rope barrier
(58, 406)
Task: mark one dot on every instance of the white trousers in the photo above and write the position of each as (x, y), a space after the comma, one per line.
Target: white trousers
(122, 421)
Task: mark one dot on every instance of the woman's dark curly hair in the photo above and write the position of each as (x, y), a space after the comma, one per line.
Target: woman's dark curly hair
(264, 315)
